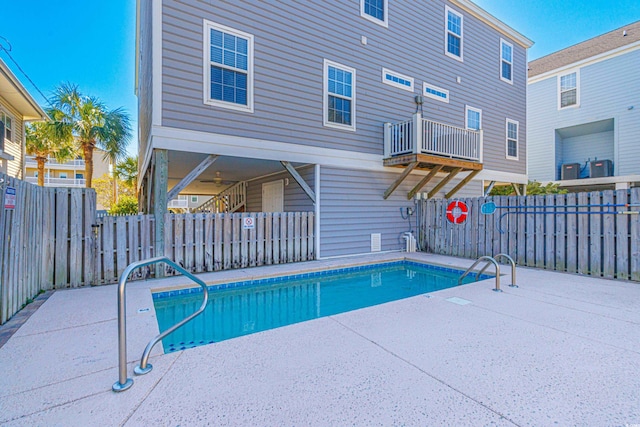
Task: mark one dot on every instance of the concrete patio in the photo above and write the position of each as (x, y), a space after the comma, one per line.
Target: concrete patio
(559, 350)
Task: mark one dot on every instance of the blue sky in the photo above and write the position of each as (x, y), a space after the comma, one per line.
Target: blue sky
(92, 43)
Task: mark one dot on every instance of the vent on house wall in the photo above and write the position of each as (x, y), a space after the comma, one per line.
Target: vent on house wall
(376, 245)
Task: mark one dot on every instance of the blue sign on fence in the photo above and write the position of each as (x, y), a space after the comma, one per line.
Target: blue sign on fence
(10, 198)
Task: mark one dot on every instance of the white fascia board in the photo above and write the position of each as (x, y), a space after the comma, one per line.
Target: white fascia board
(228, 145)
(137, 51)
(587, 61)
(500, 176)
(493, 22)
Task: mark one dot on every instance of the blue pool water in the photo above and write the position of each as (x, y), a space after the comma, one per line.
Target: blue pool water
(243, 308)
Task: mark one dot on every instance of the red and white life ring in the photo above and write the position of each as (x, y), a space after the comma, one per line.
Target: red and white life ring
(457, 212)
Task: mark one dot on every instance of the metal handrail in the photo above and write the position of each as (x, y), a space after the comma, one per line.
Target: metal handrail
(123, 382)
(488, 259)
(513, 268)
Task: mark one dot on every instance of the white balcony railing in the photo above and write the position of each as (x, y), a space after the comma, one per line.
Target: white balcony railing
(53, 163)
(178, 203)
(422, 136)
(58, 182)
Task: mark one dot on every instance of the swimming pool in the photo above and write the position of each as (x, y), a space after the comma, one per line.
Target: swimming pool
(242, 308)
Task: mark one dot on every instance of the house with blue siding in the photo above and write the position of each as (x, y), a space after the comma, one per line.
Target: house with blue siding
(349, 109)
(583, 113)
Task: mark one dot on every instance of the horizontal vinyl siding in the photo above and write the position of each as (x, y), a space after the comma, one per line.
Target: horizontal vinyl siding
(352, 207)
(145, 77)
(295, 199)
(292, 39)
(14, 147)
(607, 90)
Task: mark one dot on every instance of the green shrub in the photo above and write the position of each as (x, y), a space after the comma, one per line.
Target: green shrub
(127, 205)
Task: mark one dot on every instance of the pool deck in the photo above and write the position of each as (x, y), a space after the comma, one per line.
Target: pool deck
(559, 350)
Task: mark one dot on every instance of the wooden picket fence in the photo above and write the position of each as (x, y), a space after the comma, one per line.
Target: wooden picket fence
(591, 242)
(204, 242)
(45, 241)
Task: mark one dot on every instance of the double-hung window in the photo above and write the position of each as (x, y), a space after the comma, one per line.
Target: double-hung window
(7, 125)
(228, 63)
(339, 96)
(473, 118)
(453, 35)
(568, 90)
(375, 11)
(506, 61)
(512, 139)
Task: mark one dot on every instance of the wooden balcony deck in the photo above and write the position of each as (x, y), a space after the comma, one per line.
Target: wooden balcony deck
(420, 144)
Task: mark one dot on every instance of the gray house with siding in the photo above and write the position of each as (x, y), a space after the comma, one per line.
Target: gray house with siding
(584, 113)
(349, 109)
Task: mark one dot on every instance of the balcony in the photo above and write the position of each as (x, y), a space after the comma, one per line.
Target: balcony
(423, 144)
(52, 163)
(179, 203)
(58, 182)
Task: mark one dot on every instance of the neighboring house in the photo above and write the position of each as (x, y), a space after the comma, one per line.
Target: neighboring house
(17, 107)
(187, 202)
(67, 174)
(349, 109)
(584, 113)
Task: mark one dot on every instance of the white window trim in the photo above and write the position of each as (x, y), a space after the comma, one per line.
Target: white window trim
(13, 120)
(466, 116)
(386, 71)
(503, 42)
(506, 128)
(560, 76)
(432, 96)
(206, 56)
(325, 96)
(460, 58)
(385, 22)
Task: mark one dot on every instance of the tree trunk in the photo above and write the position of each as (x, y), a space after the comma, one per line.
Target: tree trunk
(115, 185)
(87, 150)
(41, 161)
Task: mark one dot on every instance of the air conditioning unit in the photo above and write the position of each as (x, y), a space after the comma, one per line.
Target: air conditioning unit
(570, 171)
(600, 168)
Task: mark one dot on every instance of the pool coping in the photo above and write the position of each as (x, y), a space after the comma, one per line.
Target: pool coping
(259, 280)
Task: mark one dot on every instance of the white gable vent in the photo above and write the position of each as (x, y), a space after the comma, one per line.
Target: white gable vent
(376, 246)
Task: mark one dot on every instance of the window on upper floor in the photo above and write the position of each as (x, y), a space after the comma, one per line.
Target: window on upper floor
(473, 118)
(7, 122)
(228, 64)
(339, 96)
(396, 79)
(375, 10)
(512, 139)
(453, 33)
(506, 61)
(568, 90)
(79, 176)
(435, 92)
(194, 199)
(63, 175)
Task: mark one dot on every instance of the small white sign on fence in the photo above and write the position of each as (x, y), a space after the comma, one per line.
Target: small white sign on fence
(248, 223)
(10, 198)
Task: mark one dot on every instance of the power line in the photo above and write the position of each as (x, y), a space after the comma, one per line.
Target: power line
(7, 50)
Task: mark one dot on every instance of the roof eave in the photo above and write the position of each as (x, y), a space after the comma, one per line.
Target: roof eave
(493, 22)
(20, 98)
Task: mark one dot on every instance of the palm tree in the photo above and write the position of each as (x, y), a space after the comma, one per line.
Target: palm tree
(93, 125)
(47, 139)
(127, 171)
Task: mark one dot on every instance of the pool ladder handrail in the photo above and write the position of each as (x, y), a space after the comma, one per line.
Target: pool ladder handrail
(144, 367)
(513, 268)
(488, 259)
